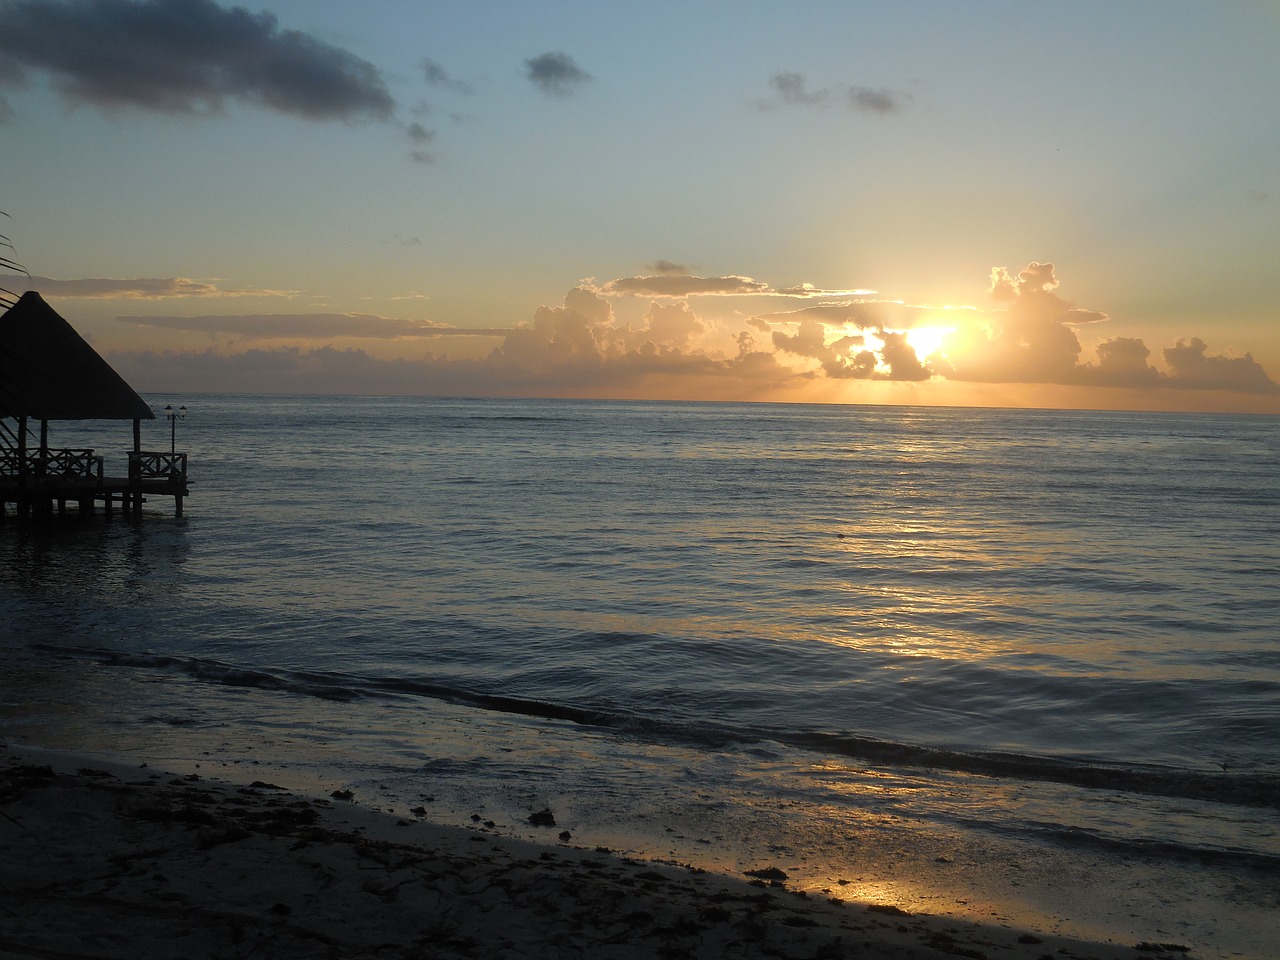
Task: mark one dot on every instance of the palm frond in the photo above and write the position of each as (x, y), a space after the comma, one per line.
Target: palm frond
(7, 297)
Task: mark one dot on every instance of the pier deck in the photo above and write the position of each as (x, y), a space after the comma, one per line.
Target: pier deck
(77, 478)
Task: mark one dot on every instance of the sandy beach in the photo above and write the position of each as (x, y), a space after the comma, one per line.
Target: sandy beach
(110, 861)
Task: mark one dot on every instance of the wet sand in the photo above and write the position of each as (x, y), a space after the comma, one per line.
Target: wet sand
(109, 862)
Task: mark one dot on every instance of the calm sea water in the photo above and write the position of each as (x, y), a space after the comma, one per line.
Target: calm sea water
(1014, 652)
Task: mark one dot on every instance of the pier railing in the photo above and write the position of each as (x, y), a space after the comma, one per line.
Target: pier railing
(64, 463)
(157, 465)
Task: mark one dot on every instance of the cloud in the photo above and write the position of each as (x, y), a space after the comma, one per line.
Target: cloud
(1030, 337)
(435, 76)
(1122, 362)
(809, 291)
(667, 266)
(310, 326)
(417, 133)
(582, 347)
(555, 74)
(326, 370)
(1030, 341)
(793, 90)
(683, 285)
(109, 288)
(1033, 340)
(1190, 367)
(867, 314)
(576, 349)
(420, 136)
(668, 324)
(185, 56)
(879, 100)
(900, 357)
(10, 76)
(679, 284)
(583, 344)
(871, 355)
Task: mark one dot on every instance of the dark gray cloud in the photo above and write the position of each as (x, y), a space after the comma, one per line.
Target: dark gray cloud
(185, 56)
(420, 137)
(792, 89)
(556, 74)
(436, 76)
(877, 100)
(667, 266)
(417, 133)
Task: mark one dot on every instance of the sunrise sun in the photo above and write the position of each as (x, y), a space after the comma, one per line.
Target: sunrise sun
(925, 341)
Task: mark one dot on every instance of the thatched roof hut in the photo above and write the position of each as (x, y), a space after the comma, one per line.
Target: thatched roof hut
(48, 371)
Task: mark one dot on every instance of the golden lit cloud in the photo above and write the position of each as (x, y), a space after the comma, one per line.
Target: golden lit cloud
(673, 284)
(1027, 335)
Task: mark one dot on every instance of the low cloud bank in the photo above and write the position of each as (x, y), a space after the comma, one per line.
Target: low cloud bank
(682, 347)
(309, 326)
(134, 288)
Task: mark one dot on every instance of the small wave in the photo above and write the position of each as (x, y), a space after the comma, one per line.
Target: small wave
(1241, 789)
(1163, 849)
(311, 685)
(1249, 790)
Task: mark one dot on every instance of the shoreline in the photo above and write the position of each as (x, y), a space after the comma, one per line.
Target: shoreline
(110, 860)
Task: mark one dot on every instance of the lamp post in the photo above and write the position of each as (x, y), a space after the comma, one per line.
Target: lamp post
(173, 416)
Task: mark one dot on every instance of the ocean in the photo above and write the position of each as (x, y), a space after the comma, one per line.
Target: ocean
(1017, 665)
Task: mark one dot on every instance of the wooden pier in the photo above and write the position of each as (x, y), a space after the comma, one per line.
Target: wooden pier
(49, 373)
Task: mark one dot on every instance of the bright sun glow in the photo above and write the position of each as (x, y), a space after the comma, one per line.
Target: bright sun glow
(926, 340)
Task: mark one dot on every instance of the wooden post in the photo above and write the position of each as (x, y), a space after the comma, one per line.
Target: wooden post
(135, 468)
(24, 504)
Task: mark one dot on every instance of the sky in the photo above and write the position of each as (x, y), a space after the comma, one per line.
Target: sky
(997, 204)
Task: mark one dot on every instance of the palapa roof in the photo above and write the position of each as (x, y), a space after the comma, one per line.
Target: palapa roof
(49, 372)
